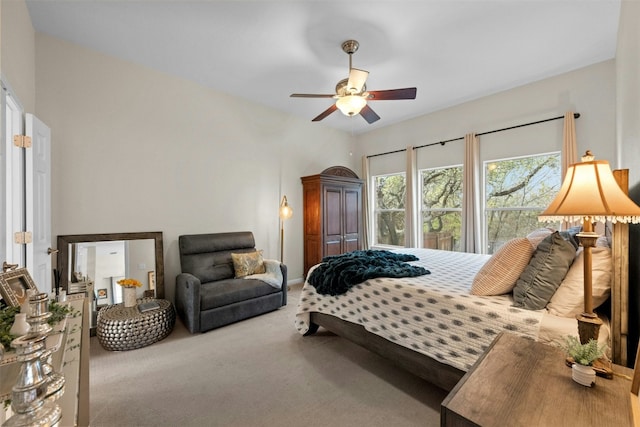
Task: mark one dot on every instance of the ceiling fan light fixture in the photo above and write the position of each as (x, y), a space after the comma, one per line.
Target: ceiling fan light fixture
(351, 105)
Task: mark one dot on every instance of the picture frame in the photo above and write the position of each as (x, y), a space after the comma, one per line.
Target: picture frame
(102, 293)
(152, 280)
(14, 285)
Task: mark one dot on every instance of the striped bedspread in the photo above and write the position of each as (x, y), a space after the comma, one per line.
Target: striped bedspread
(433, 314)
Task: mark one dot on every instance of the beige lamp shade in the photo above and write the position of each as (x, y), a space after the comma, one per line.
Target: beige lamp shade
(590, 192)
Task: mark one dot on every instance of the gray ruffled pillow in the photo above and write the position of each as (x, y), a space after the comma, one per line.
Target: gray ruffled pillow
(544, 273)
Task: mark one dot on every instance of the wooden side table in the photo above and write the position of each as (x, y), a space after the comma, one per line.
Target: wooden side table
(519, 382)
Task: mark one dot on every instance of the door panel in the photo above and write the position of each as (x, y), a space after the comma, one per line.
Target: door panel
(352, 219)
(38, 202)
(333, 213)
(13, 177)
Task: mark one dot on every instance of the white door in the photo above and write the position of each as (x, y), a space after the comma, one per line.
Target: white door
(13, 178)
(38, 202)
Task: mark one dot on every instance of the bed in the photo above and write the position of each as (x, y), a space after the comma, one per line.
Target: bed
(432, 326)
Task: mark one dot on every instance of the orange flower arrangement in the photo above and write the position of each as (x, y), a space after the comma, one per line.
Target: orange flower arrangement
(129, 283)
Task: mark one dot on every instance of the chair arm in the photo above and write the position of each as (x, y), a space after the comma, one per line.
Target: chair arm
(188, 300)
(283, 269)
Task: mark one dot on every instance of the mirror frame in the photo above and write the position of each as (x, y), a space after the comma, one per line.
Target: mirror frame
(65, 240)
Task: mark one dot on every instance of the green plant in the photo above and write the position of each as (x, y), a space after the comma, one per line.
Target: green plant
(8, 315)
(584, 354)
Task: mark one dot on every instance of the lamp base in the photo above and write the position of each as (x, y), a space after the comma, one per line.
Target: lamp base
(588, 327)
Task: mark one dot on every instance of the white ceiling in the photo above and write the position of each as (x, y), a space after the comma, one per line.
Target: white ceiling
(451, 50)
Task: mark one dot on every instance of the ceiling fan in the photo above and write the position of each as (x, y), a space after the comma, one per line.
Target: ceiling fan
(352, 95)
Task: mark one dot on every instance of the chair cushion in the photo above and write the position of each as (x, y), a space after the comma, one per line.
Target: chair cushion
(229, 291)
(208, 256)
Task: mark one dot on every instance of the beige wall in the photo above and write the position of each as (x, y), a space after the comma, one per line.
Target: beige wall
(628, 90)
(628, 125)
(17, 49)
(589, 91)
(138, 150)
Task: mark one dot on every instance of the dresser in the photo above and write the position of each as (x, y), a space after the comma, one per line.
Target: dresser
(332, 213)
(71, 357)
(520, 382)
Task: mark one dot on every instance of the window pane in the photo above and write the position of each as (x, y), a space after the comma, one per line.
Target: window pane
(522, 182)
(442, 208)
(390, 192)
(389, 209)
(442, 188)
(441, 230)
(517, 191)
(506, 225)
(390, 228)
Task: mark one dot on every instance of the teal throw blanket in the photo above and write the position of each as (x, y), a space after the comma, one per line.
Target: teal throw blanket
(338, 273)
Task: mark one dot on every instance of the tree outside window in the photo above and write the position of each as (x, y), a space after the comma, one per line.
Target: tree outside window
(390, 192)
(441, 211)
(517, 190)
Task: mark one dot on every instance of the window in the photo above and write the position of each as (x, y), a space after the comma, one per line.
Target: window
(517, 190)
(389, 205)
(441, 207)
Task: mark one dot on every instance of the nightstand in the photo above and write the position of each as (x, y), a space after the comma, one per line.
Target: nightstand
(519, 382)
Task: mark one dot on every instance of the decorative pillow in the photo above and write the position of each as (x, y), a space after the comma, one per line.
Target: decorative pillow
(537, 236)
(248, 263)
(544, 273)
(498, 276)
(568, 301)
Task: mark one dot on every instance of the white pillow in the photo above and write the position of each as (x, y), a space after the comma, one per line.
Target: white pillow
(499, 275)
(568, 301)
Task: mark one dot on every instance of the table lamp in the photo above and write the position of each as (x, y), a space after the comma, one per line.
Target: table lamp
(589, 194)
(285, 213)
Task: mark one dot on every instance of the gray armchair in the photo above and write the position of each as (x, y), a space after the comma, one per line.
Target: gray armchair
(207, 293)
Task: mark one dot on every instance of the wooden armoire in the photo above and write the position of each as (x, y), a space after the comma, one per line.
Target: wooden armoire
(332, 214)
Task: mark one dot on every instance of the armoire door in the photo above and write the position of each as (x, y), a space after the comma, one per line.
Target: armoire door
(332, 220)
(351, 218)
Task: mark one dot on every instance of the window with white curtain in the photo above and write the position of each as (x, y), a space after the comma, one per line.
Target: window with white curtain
(516, 191)
(441, 207)
(389, 193)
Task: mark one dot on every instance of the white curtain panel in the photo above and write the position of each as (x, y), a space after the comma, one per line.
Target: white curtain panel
(366, 213)
(569, 145)
(411, 222)
(471, 195)
(569, 154)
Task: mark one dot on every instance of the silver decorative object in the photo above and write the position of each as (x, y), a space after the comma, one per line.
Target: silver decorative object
(29, 395)
(125, 328)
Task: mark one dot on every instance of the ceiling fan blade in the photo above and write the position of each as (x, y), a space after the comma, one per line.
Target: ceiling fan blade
(369, 115)
(310, 95)
(357, 78)
(385, 95)
(325, 113)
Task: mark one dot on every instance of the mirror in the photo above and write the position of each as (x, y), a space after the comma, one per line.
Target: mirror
(95, 262)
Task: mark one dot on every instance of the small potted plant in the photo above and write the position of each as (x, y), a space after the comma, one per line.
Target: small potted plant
(583, 356)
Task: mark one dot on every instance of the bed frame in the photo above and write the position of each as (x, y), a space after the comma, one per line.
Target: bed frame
(446, 376)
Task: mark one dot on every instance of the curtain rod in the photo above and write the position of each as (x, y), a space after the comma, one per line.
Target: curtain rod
(575, 116)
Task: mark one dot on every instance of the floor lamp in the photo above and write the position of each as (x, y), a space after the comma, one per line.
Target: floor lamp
(285, 213)
(590, 194)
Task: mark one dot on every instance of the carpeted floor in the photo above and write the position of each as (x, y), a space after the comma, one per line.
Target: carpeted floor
(258, 372)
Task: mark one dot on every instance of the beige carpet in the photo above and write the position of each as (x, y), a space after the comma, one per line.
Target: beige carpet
(258, 372)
